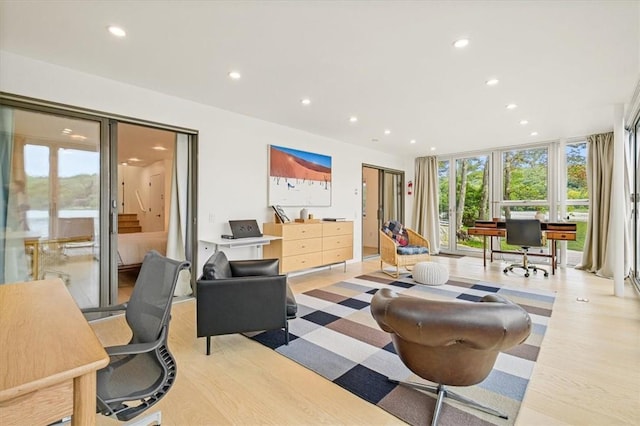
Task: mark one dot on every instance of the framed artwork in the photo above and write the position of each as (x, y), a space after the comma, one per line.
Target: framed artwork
(282, 216)
(298, 178)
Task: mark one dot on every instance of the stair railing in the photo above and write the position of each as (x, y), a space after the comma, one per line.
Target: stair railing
(140, 201)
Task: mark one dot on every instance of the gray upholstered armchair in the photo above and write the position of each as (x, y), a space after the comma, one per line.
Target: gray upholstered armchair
(242, 295)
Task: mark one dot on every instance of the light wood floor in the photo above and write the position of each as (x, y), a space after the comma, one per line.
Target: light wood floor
(588, 371)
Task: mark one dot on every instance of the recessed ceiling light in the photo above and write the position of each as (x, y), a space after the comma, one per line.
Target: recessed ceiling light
(353, 119)
(78, 137)
(387, 131)
(305, 101)
(433, 148)
(534, 133)
(159, 148)
(117, 31)
(523, 122)
(66, 131)
(134, 159)
(412, 141)
(235, 75)
(124, 164)
(492, 82)
(463, 42)
(512, 106)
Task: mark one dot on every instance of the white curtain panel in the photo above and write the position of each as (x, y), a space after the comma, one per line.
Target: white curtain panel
(426, 220)
(178, 212)
(596, 255)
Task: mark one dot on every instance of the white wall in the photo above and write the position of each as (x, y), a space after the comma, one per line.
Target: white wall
(232, 148)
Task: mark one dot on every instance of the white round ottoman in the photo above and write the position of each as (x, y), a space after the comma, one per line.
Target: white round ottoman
(430, 273)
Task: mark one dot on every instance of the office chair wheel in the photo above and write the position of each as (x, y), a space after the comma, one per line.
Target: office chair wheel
(546, 274)
(526, 274)
(506, 270)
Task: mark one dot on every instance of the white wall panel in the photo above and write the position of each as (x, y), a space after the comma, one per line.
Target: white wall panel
(232, 148)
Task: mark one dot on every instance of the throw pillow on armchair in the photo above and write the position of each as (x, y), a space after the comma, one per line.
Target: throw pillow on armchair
(397, 232)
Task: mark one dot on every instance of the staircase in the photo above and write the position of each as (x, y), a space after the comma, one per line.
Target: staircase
(128, 223)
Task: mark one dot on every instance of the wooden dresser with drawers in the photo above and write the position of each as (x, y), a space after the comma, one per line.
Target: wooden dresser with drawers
(309, 245)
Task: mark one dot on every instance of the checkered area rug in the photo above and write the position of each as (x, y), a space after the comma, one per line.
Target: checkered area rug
(336, 336)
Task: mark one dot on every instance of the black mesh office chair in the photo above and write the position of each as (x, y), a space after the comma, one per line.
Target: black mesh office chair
(525, 233)
(142, 370)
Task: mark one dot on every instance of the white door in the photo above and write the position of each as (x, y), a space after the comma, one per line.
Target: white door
(156, 202)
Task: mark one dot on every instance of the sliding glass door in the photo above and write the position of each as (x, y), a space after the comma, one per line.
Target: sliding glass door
(464, 197)
(53, 205)
(69, 180)
(382, 200)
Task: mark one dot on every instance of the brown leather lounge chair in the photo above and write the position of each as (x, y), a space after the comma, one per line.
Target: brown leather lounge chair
(450, 343)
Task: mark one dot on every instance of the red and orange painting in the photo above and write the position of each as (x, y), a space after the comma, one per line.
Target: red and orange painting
(298, 178)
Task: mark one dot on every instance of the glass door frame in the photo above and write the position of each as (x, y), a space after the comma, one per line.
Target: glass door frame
(46, 108)
(383, 173)
(453, 247)
(108, 262)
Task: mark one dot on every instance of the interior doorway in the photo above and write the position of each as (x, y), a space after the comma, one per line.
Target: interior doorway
(145, 158)
(382, 200)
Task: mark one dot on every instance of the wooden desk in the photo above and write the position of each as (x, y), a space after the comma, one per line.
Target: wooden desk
(554, 231)
(48, 356)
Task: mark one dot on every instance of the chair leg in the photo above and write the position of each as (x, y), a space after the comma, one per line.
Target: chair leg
(208, 345)
(391, 274)
(474, 404)
(286, 332)
(442, 392)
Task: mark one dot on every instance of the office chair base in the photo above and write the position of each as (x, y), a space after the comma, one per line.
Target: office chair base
(442, 392)
(153, 419)
(533, 268)
(526, 266)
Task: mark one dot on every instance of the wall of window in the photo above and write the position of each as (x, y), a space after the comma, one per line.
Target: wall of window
(544, 181)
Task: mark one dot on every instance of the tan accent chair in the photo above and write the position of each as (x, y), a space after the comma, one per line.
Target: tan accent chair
(450, 343)
(389, 252)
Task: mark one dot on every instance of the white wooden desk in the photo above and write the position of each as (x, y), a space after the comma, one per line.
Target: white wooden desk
(242, 242)
(48, 356)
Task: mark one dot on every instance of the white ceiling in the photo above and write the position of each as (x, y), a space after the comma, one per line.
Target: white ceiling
(390, 63)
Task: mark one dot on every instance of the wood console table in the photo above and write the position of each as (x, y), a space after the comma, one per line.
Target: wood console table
(554, 231)
(49, 356)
